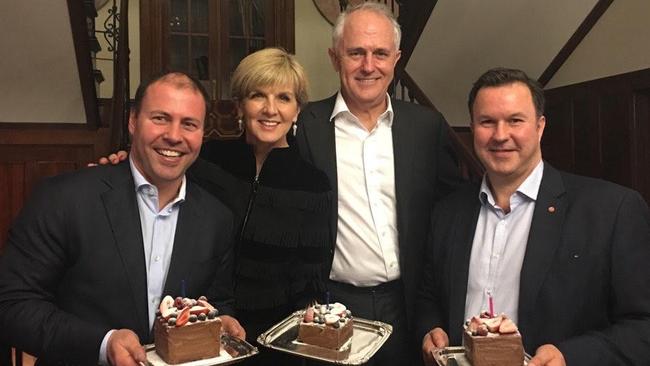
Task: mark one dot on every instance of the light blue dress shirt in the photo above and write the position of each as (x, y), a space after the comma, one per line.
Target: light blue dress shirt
(498, 248)
(158, 232)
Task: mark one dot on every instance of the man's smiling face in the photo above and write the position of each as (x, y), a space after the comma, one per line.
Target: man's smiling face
(365, 58)
(167, 132)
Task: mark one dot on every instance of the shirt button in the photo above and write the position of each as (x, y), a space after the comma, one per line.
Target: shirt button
(393, 265)
(157, 258)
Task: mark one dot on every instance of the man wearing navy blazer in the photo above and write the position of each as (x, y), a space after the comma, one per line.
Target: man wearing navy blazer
(565, 256)
(390, 161)
(93, 251)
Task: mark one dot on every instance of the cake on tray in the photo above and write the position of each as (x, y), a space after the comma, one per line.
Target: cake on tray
(493, 341)
(187, 330)
(329, 326)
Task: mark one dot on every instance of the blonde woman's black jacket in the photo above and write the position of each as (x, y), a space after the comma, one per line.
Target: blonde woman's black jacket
(283, 248)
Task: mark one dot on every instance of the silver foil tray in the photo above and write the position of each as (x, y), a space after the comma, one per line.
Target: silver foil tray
(455, 356)
(233, 350)
(367, 337)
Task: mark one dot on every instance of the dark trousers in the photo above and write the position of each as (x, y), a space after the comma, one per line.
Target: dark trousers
(385, 303)
(255, 322)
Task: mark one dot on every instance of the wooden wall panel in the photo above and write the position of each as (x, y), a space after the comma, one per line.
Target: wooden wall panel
(601, 128)
(12, 194)
(558, 133)
(586, 159)
(616, 138)
(31, 152)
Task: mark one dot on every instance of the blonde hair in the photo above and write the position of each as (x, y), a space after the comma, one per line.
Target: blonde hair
(268, 67)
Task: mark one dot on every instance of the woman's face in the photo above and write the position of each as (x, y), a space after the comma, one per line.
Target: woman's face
(268, 113)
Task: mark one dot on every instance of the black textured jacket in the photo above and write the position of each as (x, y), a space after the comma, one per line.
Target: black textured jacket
(283, 222)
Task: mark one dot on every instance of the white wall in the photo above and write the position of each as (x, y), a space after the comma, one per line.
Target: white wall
(313, 38)
(464, 38)
(39, 78)
(618, 43)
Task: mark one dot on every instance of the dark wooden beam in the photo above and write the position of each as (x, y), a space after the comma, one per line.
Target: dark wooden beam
(413, 17)
(470, 166)
(573, 42)
(121, 84)
(78, 25)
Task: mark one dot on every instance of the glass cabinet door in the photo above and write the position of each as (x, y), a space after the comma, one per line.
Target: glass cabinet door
(189, 37)
(208, 39)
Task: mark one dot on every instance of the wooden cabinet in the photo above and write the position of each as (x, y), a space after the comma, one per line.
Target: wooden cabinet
(207, 39)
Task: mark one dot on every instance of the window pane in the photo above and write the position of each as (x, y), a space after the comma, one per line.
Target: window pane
(237, 15)
(255, 45)
(199, 20)
(178, 49)
(257, 18)
(237, 52)
(178, 16)
(200, 57)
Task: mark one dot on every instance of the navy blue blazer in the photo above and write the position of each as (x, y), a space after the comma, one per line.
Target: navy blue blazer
(74, 265)
(585, 278)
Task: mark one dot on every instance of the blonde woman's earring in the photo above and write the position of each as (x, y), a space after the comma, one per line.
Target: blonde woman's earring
(240, 123)
(294, 128)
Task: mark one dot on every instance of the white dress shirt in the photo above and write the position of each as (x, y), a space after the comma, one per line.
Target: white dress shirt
(498, 248)
(367, 252)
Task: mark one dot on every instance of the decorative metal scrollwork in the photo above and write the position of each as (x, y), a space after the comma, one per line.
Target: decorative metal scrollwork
(111, 30)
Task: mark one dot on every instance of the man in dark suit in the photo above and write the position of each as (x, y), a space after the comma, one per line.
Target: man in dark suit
(390, 161)
(93, 252)
(565, 256)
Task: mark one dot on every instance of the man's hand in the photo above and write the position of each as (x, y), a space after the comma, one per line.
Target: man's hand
(436, 338)
(547, 355)
(124, 349)
(231, 326)
(113, 159)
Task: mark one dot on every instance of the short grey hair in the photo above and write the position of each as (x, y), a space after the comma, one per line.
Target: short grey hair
(370, 6)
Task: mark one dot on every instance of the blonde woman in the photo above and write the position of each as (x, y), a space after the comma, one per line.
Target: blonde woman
(281, 202)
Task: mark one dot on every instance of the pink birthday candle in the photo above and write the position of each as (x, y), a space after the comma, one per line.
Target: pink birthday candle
(491, 304)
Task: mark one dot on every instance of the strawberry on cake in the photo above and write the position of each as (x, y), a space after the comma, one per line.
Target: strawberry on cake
(187, 330)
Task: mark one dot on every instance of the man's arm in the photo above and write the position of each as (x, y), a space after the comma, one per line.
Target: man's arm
(429, 321)
(34, 262)
(448, 172)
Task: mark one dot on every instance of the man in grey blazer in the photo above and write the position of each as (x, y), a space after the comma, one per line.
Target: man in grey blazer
(93, 251)
(565, 256)
(389, 162)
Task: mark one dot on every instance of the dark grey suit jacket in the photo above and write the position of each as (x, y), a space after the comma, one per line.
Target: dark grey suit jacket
(425, 170)
(74, 265)
(585, 279)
